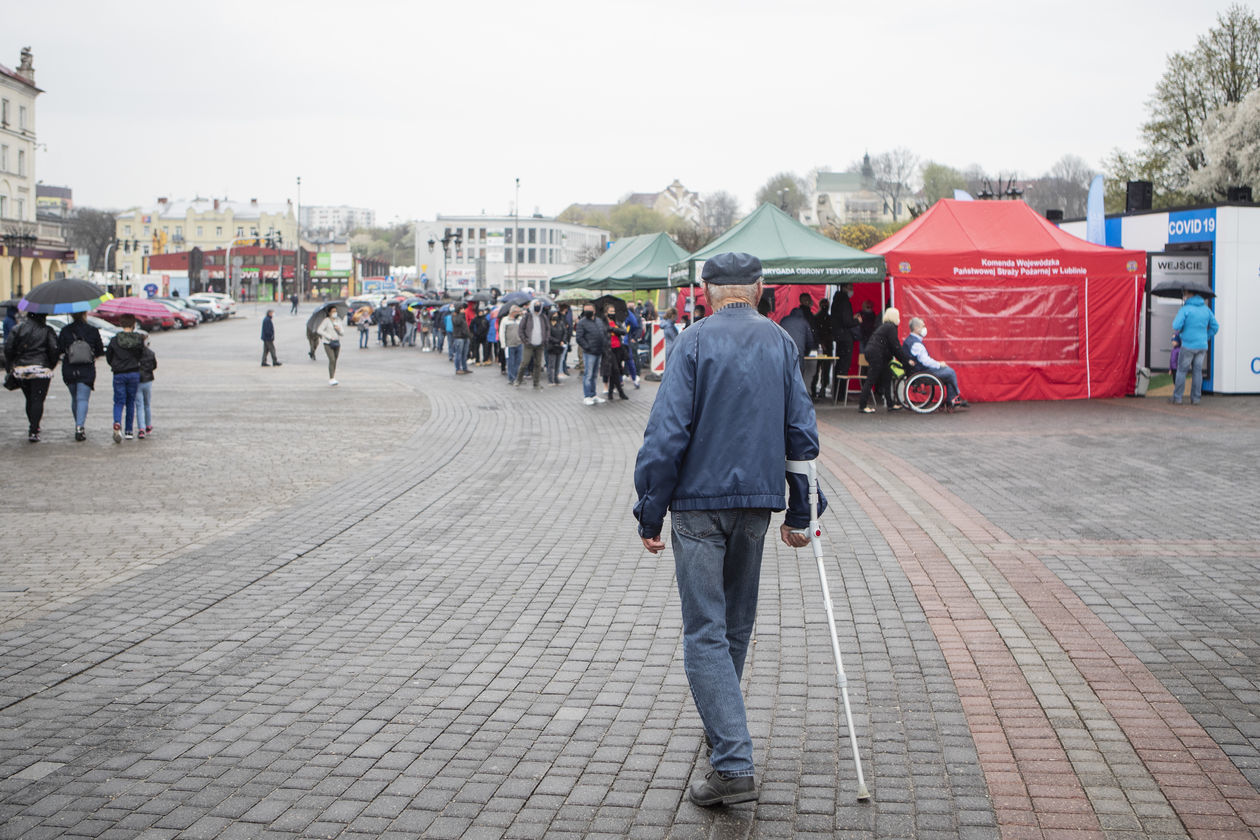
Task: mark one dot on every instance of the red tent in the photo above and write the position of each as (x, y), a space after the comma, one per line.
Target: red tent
(1021, 309)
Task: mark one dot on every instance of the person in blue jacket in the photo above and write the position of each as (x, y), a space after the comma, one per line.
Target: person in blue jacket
(1196, 325)
(731, 408)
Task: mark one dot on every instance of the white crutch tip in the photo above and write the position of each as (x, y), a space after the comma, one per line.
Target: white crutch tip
(863, 794)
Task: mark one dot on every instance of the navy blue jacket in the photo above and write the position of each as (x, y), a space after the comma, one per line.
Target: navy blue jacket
(268, 329)
(730, 409)
(797, 325)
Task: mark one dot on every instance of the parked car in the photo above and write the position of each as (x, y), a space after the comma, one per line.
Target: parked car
(147, 322)
(226, 301)
(213, 303)
(107, 329)
(183, 318)
(203, 313)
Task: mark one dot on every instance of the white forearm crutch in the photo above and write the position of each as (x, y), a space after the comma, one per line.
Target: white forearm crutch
(810, 470)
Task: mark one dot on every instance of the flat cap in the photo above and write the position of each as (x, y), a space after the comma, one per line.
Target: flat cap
(732, 268)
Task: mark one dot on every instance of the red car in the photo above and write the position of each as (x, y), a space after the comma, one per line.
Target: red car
(183, 318)
(146, 322)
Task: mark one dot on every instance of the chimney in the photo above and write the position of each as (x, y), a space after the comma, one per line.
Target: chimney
(25, 68)
(216, 204)
(253, 202)
(162, 201)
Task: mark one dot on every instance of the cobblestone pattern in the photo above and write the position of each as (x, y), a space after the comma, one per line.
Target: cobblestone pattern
(462, 639)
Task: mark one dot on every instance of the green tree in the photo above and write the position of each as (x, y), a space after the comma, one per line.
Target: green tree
(787, 191)
(940, 181)
(1231, 145)
(1221, 70)
(627, 219)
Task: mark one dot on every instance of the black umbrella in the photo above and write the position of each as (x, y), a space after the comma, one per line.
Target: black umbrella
(62, 296)
(313, 322)
(602, 304)
(1174, 287)
(483, 297)
(516, 298)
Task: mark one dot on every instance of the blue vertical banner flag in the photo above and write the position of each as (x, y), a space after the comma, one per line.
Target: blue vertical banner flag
(1095, 217)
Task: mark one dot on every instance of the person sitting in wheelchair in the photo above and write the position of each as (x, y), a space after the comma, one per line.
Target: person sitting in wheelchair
(915, 348)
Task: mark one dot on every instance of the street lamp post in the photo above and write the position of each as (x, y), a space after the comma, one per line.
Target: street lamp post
(446, 251)
(19, 240)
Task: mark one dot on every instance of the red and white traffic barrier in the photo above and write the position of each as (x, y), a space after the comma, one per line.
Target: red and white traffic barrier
(658, 349)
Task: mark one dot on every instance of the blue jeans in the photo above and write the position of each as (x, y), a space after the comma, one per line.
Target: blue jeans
(125, 387)
(632, 363)
(144, 405)
(717, 560)
(1189, 361)
(459, 353)
(590, 374)
(513, 362)
(450, 346)
(363, 339)
(948, 378)
(80, 393)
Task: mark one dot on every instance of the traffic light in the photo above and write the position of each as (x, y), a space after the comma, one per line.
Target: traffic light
(126, 246)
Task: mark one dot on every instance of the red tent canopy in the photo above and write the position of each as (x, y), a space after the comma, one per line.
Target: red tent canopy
(1021, 309)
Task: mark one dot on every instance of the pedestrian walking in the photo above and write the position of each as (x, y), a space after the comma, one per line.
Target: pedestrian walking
(123, 355)
(460, 336)
(30, 356)
(144, 392)
(1197, 325)
(330, 331)
(10, 320)
(293, 310)
(362, 319)
(269, 339)
(881, 348)
(533, 330)
(716, 460)
(80, 346)
(592, 339)
(669, 329)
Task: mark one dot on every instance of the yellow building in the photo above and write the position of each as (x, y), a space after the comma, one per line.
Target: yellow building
(30, 251)
(172, 227)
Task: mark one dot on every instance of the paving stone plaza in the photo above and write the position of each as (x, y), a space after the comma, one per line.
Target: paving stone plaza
(415, 605)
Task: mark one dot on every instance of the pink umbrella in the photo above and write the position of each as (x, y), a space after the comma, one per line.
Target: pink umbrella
(134, 306)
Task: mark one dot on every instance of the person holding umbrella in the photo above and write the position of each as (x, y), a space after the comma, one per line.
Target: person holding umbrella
(80, 346)
(30, 354)
(56, 297)
(330, 331)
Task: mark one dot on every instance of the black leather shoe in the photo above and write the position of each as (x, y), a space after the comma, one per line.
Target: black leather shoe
(717, 789)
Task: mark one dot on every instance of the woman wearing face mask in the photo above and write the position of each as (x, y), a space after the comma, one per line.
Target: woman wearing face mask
(917, 350)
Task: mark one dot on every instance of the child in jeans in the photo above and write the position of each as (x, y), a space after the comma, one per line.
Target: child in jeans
(123, 355)
(144, 394)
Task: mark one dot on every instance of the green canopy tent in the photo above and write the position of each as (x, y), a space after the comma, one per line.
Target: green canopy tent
(635, 263)
(790, 253)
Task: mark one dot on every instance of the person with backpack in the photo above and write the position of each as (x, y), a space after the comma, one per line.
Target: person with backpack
(144, 394)
(80, 346)
(123, 354)
(30, 355)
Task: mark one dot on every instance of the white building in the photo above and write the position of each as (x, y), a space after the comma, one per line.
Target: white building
(336, 220)
(31, 251)
(170, 227)
(502, 251)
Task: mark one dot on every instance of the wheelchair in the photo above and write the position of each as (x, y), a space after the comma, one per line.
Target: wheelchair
(920, 390)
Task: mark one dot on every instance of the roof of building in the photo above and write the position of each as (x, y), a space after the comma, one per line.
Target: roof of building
(179, 208)
(49, 191)
(839, 182)
(18, 77)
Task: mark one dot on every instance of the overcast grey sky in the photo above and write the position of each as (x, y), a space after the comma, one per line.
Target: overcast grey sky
(417, 108)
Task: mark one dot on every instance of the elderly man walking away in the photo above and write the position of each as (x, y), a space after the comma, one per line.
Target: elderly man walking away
(730, 409)
(269, 339)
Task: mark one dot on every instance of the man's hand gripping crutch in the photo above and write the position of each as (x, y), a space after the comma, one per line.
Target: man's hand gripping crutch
(809, 469)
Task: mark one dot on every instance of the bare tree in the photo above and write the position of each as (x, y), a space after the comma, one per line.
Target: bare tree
(718, 213)
(894, 172)
(91, 231)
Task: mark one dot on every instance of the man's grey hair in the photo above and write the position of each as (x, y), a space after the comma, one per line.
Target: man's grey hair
(916, 324)
(722, 294)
